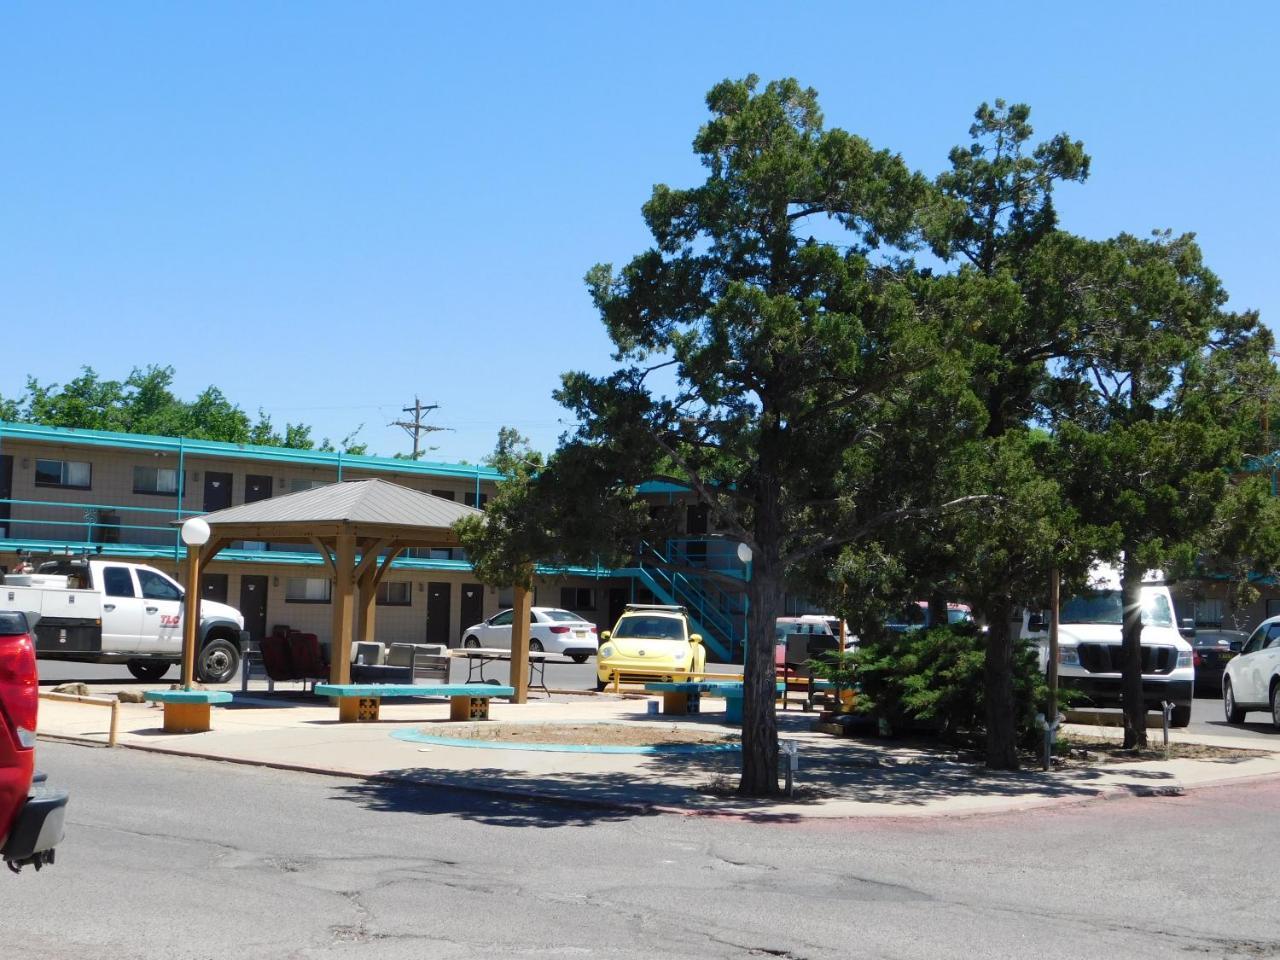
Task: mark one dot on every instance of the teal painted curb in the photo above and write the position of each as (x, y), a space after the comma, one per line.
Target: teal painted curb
(412, 735)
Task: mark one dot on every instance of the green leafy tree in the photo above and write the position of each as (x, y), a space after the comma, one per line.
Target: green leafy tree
(1158, 417)
(1011, 302)
(144, 402)
(780, 377)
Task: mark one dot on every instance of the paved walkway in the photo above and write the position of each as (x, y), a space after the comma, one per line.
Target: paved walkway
(836, 778)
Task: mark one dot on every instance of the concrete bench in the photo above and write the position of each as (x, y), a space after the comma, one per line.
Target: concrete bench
(187, 711)
(685, 696)
(361, 701)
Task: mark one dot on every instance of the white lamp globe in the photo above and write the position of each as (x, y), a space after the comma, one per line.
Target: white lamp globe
(744, 553)
(195, 532)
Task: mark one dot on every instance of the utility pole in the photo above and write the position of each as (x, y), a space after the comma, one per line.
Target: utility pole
(415, 427)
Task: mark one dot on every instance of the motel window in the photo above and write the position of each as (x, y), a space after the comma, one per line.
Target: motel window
(443, 494)
(63, 473)
(395, 593)
(158, 480)
(1209, 612)
(297, 486)
(469, 499)
(307, 590)
(577, 598)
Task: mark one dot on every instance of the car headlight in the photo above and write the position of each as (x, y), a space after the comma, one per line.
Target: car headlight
(1068, 656)
(1184, 659)
(606, 651)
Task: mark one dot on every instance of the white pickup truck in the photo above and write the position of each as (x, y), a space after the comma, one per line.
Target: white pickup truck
(106, 611)
(1089, 645)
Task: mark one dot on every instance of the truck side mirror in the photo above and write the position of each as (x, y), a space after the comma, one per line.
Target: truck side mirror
(1036, 624)
(1188, 628)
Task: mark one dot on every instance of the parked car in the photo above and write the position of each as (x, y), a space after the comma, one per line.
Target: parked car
(811, 624)
(31, 813)
(1251, 680)
(915, 616)
(1211, 651)
(550, 629)
(653, 640)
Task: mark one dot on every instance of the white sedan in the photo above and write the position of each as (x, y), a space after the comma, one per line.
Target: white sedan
(1251, 680)
(550, 630)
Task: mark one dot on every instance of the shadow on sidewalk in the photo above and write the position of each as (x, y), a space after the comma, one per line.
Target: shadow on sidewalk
(843, 772)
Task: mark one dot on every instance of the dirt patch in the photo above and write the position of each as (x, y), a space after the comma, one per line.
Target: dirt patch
(584, 734)
(1076, 751)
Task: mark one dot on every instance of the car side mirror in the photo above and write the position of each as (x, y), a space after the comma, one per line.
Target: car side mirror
(1188, 627)
(695, 638)
(1036, 624)
(604, 635)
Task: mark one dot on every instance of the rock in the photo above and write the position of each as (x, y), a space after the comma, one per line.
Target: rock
(75, 689)
(131, 696)
(194, 686)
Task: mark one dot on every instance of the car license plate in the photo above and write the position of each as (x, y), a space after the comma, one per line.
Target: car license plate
(579, 633)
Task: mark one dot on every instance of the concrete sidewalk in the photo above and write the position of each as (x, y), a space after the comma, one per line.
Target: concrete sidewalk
(836, 778)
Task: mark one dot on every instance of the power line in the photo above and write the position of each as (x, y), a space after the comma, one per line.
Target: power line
(415, 427)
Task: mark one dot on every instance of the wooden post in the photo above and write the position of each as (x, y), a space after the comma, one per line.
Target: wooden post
(340, 645)
(522, 602)
(190, 616)
(366, 605)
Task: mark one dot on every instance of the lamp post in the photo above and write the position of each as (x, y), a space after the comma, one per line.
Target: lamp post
(195, 534)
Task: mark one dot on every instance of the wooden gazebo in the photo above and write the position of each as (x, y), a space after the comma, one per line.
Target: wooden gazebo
(359, 527)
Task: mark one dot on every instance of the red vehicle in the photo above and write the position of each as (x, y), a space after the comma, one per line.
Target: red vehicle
(31, 814)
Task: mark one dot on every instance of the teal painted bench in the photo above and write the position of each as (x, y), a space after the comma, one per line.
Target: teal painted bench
(361, 701)
(187, 711)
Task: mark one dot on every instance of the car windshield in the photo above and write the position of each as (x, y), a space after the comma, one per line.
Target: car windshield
(12, 623)
(1106, 606)
(650, 628)
(959, 616)
(561, 616)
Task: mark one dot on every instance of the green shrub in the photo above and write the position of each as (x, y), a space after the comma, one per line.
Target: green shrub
(934, 678)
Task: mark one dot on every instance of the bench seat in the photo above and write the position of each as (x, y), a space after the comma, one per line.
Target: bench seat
(360, 701)
(684, 696)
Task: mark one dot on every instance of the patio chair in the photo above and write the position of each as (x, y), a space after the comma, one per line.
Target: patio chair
(309, 661)
(276, 660)
(425, 661)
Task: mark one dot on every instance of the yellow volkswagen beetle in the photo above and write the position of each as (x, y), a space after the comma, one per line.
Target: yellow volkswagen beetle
(652, 640)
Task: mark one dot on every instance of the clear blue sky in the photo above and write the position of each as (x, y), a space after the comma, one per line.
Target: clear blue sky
(325, 208)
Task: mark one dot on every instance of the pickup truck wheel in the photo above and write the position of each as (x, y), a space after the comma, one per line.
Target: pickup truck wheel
(148, 670)
(219, 660)
(1181, 717)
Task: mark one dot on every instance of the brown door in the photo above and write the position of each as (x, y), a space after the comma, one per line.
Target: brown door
(6, 492)
(618, 599)
(253, 605)
(256, 488)
(439, 596)
(217, 491)
(472, 604)
(213, 586)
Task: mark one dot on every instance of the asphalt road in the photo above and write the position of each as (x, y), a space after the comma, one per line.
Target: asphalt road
(169, 857)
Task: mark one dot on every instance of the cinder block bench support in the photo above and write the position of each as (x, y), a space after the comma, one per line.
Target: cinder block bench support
(362, 701)
(187, 711)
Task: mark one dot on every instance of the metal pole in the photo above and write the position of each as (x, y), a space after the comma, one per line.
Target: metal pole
(182, 490)
(190, 616)
(1054, 586)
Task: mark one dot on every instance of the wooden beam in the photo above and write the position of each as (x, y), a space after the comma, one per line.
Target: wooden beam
(324, 552)
(342, 602)
(210, 549)
(385, 566)
(521, 606)
(369, 555)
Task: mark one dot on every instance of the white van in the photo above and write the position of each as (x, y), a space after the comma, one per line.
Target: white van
(1089, 644)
